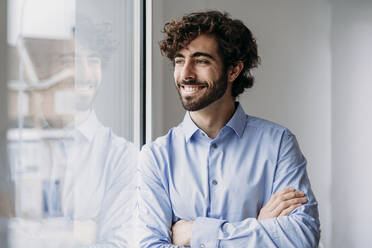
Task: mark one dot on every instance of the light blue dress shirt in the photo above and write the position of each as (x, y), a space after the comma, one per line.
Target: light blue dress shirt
(98, 184)
(222, 184)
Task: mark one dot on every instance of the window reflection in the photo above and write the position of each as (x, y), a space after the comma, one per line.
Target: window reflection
(72, 175)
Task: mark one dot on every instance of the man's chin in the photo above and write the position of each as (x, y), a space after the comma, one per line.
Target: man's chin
(193, 106)
(195, 103)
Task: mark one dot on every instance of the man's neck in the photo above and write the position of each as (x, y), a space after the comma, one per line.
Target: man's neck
(214, 117)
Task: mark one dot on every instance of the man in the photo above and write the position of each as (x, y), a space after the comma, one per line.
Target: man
(222, 178)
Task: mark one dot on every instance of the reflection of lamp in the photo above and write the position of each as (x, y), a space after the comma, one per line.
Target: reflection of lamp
(42, 19)
(33, 83)
(53, 19)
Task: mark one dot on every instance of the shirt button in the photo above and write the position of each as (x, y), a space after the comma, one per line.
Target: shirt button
(214, 182)
(214, 145)
(202, 246)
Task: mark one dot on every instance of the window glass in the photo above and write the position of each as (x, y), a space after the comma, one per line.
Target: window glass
(71, 114)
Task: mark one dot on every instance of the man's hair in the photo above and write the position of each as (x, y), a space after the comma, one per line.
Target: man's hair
(235, 42)
(96, 36)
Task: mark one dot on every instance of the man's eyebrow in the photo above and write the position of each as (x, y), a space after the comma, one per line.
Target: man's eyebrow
(197, 54)
(179, 55)
(201, 54)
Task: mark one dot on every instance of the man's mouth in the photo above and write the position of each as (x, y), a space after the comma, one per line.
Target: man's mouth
(191, 89)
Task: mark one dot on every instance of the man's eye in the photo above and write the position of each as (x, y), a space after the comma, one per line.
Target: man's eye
(178, 61)
(202, 61)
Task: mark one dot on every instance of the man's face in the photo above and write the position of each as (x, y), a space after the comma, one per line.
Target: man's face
(87, 75)
(72, 94)
(199, 74)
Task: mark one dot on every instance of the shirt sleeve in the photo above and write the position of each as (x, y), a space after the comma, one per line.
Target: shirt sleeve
(155, 210)
(299, 229)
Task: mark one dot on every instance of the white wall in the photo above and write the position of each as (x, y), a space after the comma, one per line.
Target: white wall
(351, 123)
(293, 83)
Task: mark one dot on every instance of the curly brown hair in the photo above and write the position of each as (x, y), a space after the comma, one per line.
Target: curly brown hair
(235, 42)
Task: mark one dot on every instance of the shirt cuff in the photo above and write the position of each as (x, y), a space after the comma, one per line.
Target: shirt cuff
(205, 232)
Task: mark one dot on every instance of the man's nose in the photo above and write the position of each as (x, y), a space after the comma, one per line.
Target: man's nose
(188, 72)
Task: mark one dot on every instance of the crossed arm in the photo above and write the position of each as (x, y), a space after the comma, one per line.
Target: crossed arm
(282, 222)
(280, 204)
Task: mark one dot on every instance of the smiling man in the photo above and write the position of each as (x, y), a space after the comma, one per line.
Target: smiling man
(222, 178)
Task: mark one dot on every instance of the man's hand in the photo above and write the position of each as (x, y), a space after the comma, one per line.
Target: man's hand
(282, 203)
(181, 232)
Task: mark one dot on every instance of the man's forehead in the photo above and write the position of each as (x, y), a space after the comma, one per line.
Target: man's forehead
(204, 43)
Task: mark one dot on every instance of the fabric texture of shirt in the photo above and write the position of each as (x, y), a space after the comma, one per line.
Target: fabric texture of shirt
(98, 183)
(221, 184)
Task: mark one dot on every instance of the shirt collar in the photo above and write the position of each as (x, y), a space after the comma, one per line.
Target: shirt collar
(89, 127)
(236, 123)
(189, 126)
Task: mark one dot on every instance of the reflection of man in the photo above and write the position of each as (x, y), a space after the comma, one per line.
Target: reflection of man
(99, 164)
(88, 176)
(222, 178)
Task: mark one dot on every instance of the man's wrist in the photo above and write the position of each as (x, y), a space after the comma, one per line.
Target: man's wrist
(205, 232)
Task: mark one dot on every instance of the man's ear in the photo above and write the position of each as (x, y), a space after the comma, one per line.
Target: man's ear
(234, 71)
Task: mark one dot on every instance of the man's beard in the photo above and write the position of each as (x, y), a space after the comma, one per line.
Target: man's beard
(212, 94)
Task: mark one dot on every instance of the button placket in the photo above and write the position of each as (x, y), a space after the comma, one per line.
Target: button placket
(213, 177)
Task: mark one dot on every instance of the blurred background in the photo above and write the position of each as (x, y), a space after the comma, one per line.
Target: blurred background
(315, 78)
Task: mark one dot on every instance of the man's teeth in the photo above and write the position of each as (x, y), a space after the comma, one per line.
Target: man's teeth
(191, 88)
